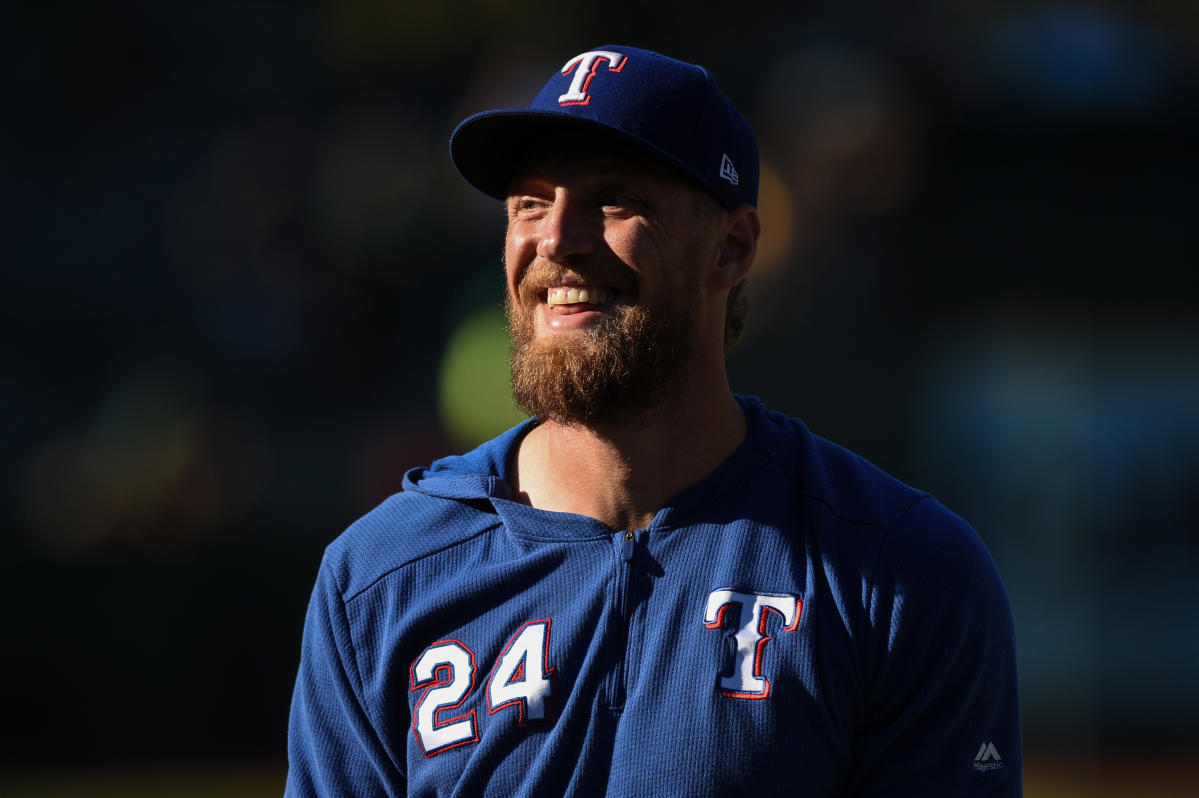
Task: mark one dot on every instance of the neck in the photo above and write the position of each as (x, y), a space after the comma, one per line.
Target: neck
(623, 473)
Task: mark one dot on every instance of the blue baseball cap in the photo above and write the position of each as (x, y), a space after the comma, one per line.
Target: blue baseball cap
(666, 108)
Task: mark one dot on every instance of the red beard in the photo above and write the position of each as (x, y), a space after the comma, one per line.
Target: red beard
(618, 370)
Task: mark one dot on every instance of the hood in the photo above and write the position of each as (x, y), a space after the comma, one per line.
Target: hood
(481, 473)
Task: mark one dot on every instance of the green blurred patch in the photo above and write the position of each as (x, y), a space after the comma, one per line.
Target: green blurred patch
(474, 395)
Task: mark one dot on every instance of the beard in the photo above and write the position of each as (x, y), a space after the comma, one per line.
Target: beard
(618, 370)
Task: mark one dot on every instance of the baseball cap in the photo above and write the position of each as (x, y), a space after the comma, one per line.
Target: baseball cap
(666, 108)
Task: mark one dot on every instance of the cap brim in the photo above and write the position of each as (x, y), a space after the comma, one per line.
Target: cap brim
(490, 147)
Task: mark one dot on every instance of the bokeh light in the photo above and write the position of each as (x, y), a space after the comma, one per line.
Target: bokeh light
(776, 206)
(244, 296)
(473, 394)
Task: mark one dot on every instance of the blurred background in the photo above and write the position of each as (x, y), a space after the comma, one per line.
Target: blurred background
(244, 290)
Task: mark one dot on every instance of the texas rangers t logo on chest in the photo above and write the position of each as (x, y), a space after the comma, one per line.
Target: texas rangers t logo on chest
(585, 67)
(746, 679)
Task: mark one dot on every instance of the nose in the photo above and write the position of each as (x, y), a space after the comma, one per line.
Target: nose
(565, 230)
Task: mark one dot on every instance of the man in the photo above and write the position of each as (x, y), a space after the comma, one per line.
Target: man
(653, 587)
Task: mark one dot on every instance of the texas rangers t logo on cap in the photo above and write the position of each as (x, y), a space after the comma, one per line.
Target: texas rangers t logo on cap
(671, 110)
(585, 67)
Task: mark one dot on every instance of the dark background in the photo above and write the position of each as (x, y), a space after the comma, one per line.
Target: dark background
(244, 290)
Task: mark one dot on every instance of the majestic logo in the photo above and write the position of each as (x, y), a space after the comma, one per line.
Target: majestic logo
(728, 171)
(743, 677)
(987, 758)
(585, 67)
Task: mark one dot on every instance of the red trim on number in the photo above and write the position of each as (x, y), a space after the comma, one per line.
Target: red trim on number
(551, 674)
(440, 679)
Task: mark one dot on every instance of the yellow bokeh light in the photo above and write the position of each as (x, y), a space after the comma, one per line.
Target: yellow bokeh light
(776, 206)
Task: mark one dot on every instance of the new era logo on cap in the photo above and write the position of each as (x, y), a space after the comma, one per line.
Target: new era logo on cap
(669, 109)
(727, 170)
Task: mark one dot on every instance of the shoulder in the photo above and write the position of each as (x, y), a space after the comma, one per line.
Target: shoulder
(443, 506)
(844, 485)
(405, 528)
(935, 563)
(859, 506)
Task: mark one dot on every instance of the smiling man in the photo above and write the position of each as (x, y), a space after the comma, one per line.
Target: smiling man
(653, 587)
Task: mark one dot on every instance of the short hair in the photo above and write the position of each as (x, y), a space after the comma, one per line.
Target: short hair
(735, 311)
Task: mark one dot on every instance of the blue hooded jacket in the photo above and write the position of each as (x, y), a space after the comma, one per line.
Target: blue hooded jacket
(797, 623)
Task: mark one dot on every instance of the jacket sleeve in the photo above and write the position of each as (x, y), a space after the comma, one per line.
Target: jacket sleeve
(941, 705)
(333, 749)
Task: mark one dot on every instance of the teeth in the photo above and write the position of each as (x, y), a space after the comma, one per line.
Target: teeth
(563, 295)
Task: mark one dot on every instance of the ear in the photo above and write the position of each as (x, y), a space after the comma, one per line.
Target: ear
(737, 248)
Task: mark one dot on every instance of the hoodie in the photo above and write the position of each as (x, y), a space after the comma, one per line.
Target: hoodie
(796, 623)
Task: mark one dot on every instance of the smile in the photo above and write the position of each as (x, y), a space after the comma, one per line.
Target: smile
(579, 295)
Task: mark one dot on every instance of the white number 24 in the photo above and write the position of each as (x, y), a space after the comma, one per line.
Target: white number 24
(445, 673)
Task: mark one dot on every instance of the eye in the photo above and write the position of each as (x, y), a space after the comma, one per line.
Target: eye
(618, 202)
(525, 205)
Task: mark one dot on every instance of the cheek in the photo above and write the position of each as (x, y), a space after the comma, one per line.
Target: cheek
(510, 273)
(666, 273)
(514, 262)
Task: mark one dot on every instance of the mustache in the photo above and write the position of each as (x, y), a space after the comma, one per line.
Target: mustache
(541, 275)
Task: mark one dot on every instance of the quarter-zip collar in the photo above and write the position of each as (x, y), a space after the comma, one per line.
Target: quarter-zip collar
(483, 474)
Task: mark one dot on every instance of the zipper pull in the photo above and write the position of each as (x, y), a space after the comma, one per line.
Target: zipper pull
(629, 548)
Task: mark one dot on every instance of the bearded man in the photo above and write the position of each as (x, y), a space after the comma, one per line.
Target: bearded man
(653, 586)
